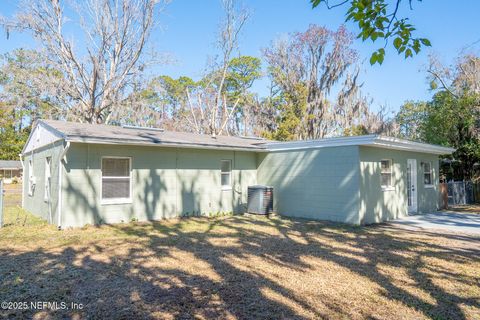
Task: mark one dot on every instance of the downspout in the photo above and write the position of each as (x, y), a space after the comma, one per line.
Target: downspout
(23, 178)
(60, 175)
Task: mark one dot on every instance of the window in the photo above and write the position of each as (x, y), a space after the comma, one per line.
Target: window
(226, 173)
(386, 172)
(48, 175)
(31, 178)
(427, 173)
(116, 180)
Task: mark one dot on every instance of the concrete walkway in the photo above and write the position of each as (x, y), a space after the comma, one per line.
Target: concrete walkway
(444, 220)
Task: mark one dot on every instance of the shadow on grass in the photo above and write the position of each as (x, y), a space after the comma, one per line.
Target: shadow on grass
(236, 267)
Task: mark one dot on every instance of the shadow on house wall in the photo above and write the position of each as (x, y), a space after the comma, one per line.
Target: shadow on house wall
(382, 205)
(317, 184)
(377, 205)
(166, 183)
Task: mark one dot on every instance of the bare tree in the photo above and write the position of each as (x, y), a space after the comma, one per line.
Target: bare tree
(210, 108)
(30, 86)
(461, 78)
(352, 107)
(382, 122)
(98, 73)
(306, 67)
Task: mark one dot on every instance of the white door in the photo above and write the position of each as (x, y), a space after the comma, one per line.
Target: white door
(412, 185)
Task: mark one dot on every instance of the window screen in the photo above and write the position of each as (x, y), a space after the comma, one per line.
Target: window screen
(226, 171)
(116, 178)
(386, 172)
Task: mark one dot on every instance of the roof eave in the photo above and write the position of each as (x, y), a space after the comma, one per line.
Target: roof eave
(160, 144)
(322, 143)
(368, 140)
(59, 134)
(406, 145)
(34, 125)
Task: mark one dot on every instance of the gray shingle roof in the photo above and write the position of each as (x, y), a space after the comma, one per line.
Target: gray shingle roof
(10, 164)
(95, 133)
(82, 132)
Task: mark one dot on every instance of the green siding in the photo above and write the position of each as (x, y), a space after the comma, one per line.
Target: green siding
(317, 184)
(166, 182)
(332, 183)
(36, 203)
(377, 205)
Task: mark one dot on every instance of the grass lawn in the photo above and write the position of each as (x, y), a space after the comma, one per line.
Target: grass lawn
(239, 267)
(470, 208)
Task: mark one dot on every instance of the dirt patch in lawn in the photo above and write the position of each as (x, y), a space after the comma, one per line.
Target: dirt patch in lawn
(240, 267)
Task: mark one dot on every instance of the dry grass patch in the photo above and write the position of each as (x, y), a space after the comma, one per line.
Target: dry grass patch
(470, 208)
(240, 267)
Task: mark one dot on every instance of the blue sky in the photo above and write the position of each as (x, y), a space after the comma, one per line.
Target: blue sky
(187, 33)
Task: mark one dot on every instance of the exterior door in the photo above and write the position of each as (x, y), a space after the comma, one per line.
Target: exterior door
(412, 185)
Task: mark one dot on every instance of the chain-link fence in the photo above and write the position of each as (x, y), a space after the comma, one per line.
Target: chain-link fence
(11, 197)
(1, 203)
(455, 193)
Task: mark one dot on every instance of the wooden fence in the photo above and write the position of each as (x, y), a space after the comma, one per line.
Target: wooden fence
(443, 196)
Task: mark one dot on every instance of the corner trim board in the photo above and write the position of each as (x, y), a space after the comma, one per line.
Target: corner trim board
(60, 178)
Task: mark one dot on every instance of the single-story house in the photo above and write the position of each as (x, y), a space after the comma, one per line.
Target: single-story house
(77, 174)
(10, 170)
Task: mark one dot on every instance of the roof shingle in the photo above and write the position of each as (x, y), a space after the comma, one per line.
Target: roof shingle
(83, 132)
(10, 164)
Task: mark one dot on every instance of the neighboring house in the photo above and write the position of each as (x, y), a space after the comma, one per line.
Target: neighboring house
(10, 170)
(77, 174)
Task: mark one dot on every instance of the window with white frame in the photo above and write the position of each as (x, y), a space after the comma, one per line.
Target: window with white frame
(116, 179)
(427, 174)
(48, 176)
(386, 173)
(226, 174)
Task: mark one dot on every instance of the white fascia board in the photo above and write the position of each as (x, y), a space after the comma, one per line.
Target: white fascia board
(163, 144)
(368, 140)
(321, 143)
(40, 136)
(401, 144)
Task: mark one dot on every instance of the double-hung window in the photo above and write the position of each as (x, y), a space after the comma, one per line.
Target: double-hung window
(48, 176)
(116, 180)
(427, 174)
(226, 174)
(386, 173)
